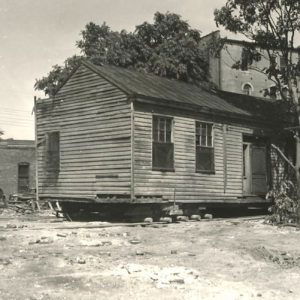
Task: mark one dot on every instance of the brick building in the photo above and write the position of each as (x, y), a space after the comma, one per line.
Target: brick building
(17, 166)
(248, 80)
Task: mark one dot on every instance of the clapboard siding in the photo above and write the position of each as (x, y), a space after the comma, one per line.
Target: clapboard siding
(94, 121)
(187, 185)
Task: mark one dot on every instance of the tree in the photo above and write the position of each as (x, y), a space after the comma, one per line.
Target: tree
(272, 26)
(168, 48)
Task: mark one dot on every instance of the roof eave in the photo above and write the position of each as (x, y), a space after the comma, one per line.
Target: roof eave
(201, 109)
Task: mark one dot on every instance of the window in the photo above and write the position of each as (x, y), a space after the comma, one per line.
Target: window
(53, 153)
(205, 161)
(162, 145)
(247, 89)
(282, 64)
(23, 177)
(285, 92)
(273, 92)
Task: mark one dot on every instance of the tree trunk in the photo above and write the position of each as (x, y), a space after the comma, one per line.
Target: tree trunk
(297, 164)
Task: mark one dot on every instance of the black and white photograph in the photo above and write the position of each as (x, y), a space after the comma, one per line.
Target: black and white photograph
(149, 149)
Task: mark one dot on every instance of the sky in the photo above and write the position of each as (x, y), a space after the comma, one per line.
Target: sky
(37, 34)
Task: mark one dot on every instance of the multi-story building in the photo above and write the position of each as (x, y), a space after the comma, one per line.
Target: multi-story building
(230, 71)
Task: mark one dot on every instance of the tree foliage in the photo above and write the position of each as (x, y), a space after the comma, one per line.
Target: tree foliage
(168, 47)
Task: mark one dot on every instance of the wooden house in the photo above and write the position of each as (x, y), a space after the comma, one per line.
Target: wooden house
(112, 135)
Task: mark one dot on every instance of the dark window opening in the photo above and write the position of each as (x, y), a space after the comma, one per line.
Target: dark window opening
(23, 177)
(205, 157)
(53, 151)
(247, 89)
(162, 145)
(273, 92)
(282, 64)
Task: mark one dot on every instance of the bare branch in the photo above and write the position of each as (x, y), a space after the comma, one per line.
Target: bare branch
(284, 157)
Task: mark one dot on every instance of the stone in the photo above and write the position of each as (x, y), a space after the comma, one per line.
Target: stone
(46, 241)
(208, 216)
(62, 235)
(148, 220)
(5, 261)
(195, 217)
(173, 251)
(106, 243)
(139, 252)
(11, 226)
(81, 261)
(166, 219)
(177, 280)
(3, 238)
(134, 242)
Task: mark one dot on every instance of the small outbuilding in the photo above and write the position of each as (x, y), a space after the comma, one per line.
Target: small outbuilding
(112, 135)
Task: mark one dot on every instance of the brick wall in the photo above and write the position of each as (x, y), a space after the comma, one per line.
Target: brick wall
(12, 153)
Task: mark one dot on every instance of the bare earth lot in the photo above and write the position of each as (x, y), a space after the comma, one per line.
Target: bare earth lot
(227, 259)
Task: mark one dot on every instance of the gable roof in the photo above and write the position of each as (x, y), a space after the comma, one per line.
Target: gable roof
(138, 84)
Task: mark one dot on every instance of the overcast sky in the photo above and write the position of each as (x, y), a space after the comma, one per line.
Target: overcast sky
(36, 34)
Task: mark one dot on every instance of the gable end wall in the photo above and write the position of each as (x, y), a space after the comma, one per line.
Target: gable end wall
(94, 121)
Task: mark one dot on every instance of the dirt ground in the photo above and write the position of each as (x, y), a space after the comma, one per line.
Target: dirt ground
(42, 258)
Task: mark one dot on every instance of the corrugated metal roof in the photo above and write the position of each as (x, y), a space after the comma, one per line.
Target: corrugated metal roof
(148, 85)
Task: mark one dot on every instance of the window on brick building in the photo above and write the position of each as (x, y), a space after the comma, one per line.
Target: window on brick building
(273, 92)
(282, 64)
(247, 89)
(162, 144)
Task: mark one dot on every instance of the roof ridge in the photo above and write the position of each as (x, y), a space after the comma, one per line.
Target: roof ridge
(97, 69)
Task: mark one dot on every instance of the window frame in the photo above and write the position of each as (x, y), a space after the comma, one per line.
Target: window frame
(171, 142)
(250, 90)
(211, 171)
(49, 166)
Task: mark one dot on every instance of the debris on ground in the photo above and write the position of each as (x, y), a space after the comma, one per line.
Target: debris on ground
(162, 277)
(281, 258)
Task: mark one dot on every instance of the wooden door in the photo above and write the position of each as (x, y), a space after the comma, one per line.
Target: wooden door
(247, 178)
(23, 177)
(259, 170)
(254, 169)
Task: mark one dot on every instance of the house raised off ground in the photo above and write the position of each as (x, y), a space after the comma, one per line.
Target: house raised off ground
(116, 136)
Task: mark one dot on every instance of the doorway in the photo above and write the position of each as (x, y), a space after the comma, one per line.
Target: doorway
(23, 177)
(255, 175)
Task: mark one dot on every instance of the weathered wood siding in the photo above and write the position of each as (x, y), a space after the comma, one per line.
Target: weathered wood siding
(94, 121)
(187, 185)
